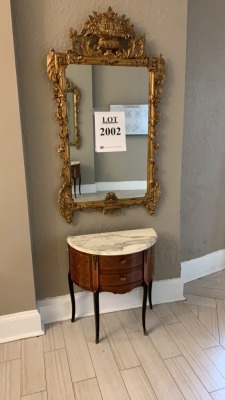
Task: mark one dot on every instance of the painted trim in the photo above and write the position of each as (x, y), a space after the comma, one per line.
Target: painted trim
(109, 186)
(29, 323)
(20, 326)
(59, 308)
(88, 188)
(126, 185)
(202, 266)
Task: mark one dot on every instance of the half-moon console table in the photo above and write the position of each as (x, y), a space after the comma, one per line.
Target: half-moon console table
(115, 262)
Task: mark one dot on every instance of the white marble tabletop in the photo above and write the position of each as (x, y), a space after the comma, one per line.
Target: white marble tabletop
(74, 162)
(114, 243)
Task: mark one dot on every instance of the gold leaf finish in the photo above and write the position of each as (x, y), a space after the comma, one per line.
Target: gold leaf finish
(106, 39)
(76, 102)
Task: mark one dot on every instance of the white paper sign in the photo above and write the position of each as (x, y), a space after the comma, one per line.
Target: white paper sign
(110, 131)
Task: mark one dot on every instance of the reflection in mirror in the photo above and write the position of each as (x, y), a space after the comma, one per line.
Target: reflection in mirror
(73, 101)
(124, 173)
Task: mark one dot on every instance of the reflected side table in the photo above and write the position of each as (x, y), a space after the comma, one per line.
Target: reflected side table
(75, 174)
(114, 262)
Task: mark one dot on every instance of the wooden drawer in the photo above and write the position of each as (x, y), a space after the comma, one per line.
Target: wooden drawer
(120, 263)
(120, 279)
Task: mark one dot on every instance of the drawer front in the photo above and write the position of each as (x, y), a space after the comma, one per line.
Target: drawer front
(107, 281)
(81, 269)
(120, 263)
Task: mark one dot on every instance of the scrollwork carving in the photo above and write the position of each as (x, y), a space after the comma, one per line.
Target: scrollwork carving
(107, 34)
(66, 203)
(76, 101)
(106, 39)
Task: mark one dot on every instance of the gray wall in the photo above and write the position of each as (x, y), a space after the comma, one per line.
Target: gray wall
(17, 292)
(111, 85)
(121, 85)
(41, 25)
(203, 183)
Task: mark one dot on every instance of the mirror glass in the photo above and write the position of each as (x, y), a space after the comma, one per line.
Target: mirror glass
(101, 87)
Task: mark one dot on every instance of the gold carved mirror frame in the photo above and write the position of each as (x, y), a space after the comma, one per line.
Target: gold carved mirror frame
(106, 39)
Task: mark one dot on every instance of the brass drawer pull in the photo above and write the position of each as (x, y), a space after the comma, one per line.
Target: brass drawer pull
(122, 278)
(123, 261)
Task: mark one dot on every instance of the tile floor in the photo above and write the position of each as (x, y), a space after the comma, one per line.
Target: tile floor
(183, 356)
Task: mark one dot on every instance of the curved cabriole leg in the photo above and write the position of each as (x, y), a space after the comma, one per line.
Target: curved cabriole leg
(79, 184)
(75, 194)
(72, 297)
(150, 294)
(145, 293)
(96, 310)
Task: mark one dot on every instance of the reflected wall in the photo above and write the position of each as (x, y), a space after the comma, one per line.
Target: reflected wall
(100, 87)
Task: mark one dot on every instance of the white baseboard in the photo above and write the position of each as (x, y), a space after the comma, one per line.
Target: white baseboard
(20, 326)
(126, 185)
(29, 323)
(59, 308)
(202, 266)
(109, 186)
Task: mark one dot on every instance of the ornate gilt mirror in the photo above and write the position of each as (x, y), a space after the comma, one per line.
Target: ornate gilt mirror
(106, 69)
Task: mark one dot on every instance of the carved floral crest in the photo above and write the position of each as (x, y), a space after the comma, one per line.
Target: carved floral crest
(106, 34)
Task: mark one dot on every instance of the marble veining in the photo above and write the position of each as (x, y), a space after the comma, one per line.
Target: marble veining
(114, 243)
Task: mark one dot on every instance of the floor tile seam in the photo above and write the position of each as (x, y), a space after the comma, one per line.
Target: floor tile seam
(31, 394)
(58, 369)
(197, 377)
(198, 328)
(84, 336)
(113, 347)
(84, 380)
(197, 360)
(124, 326)
(201, 285)
(127, 334)
(221, 326)
(215, 391)
(199, 305)
(163, 364)
(44, 365)
(223, 374)
(6, 376)
(192, 337)
(208, 295)
(96, 376)
(208, 329)
(22, 372)
(162, 320)
(141, 366)
(53, 347)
